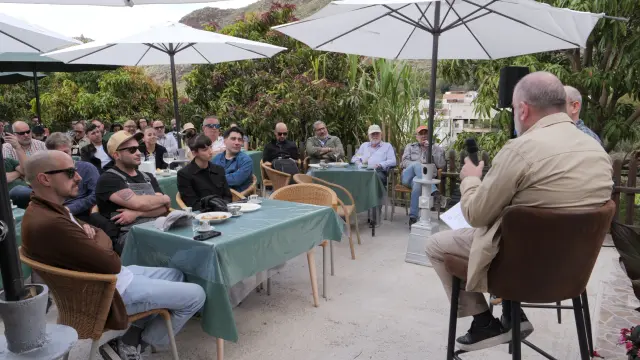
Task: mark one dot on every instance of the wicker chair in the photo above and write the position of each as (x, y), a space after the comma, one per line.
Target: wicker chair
(305, 165)
(265, 179)
(84, 299)
(179, 201)
(278, 179)
(252, 189)
(316, 195)
(345, 211)
(235, 196)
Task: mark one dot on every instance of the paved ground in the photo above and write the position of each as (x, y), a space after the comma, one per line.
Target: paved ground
(379, 308)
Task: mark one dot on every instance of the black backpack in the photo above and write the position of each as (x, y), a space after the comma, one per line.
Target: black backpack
(288, 166)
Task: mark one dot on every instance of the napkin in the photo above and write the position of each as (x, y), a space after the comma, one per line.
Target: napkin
(176, 218)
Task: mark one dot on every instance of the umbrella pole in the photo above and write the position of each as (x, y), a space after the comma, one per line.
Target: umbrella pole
(9, 262)
(37, 93)
(434, 73)
(174, 86)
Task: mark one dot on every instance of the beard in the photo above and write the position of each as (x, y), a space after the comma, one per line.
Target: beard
(375, 142)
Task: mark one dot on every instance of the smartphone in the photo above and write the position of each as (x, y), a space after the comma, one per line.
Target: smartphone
(207, 235)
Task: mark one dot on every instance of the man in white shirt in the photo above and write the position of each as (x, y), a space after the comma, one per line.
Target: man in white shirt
(167, 140)
(95, 152)
(211, 128)
(376, 154)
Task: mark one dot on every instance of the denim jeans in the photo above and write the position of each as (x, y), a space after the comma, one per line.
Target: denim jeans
(21, 196)
(412, 171)
(161, 288)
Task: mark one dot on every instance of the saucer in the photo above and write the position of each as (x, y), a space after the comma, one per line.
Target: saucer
(237, 215)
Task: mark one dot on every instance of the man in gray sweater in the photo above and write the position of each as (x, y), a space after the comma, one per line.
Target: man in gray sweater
(322, 146)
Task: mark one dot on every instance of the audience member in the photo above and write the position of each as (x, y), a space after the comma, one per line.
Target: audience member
(237, 165)
(22, 133)
(142, 124)
(322, 146)
(280, 147)
(201, 177)
(105, 134)
(211, 128)
(245, 138)
(414, 156)
(540, 168)
(376, 154)
(130, 127)
(79, 139)
(125, 195)
(150, 149)
(96, 152)
(74, 245)
(38, 133)
(115, 128)
(574, 105)
(15, 174)
(168, 141)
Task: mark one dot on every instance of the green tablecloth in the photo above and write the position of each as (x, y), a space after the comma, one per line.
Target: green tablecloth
(169, 186)
(17, 215)
(254, 242)
(364, 185)
(256, 156)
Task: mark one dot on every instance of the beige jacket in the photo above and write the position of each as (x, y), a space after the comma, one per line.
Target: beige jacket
(552, 165)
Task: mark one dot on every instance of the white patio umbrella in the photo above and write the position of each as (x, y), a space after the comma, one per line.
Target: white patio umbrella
(170, 43)
(442, 29)
(20, 36)
(105, 2)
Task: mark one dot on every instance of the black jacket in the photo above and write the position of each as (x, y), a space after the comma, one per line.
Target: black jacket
(160, 151)
(195, 183)
(274, 150)
(88, 154)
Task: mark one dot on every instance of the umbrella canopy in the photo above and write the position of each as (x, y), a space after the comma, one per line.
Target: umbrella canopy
(22, 61)
(167, 44)
(442, 29)
(11, 78)
(104, 2)
(19, 36)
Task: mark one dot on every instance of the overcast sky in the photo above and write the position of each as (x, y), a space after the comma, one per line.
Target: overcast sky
(98, 22)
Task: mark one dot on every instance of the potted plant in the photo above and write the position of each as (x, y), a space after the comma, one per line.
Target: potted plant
(631, 340)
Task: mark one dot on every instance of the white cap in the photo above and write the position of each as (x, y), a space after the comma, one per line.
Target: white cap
(374, 129)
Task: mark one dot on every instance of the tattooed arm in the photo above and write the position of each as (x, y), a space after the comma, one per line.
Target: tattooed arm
(129, 200)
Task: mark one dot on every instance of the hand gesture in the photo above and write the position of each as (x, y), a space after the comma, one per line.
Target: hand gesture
(470, 169)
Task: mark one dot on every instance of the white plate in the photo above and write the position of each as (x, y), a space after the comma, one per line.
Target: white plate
(248, 207)
(338, 164)
(315, 166)
(226, 216)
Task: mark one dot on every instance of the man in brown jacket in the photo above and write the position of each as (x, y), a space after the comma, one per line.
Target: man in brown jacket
(552, 164)
(51, 235)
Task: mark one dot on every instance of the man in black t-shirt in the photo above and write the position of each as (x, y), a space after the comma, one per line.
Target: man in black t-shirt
(123, 194)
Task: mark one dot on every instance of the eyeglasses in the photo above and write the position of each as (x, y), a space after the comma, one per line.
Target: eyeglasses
(159, 127)
(23, 132)
(320, 129)
(70, 172)
(131, 149)
(212, 126)
(282, 133)
(130, 126)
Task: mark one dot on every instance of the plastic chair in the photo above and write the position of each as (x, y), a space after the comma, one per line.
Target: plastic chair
(84, 299)
(344, 211)
(316, 195)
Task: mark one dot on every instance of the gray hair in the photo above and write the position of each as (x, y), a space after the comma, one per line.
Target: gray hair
(319, 122)
(57, 139)
(573, 94)
(541, 90)
(13, 126)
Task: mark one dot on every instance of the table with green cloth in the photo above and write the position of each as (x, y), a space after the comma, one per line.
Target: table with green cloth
(254, 242)
(169, 186)
(256, 156)
(17, 216)
(363, 184)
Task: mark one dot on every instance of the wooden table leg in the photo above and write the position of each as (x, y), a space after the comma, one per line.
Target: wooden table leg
(312, 273)
(219, 348)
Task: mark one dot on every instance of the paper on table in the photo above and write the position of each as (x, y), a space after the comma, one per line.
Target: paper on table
(454, 218)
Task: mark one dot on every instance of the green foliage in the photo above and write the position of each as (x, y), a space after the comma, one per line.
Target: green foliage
(605, 72)
(14, 101)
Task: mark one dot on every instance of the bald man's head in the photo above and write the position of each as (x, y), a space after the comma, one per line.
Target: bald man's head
(281, 132)
(537, 95)
(52, 175)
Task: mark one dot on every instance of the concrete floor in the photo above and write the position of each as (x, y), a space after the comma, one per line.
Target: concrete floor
(379, 308)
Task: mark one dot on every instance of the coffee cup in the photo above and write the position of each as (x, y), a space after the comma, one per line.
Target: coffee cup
(234, 209)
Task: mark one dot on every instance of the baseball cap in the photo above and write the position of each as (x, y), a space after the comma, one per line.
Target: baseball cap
(374, 129)
(120, 138)
(37, 130)
(420, 128)
(186, 127)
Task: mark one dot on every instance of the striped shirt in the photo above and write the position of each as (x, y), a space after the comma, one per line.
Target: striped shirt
(9, 152)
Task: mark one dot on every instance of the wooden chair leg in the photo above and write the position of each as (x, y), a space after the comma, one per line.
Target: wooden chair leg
(311, 260)
(353, 250)
(407, 204)
(355, 215)
(219, 349)
(453, 318)
(324, 271)
(393, 203)
(172, 338)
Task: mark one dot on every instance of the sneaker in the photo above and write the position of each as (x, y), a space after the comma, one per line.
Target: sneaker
(482, 337)
(412, 220)
(526, 328)
(126, 352)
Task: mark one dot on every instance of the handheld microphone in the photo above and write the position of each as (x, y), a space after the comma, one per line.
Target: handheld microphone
(472, 149)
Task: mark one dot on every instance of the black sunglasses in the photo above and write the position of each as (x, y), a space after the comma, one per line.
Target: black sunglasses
(159, 127)
(71, 172)
(23, 132)
(282, 133)
(212, 126)
(130, 149)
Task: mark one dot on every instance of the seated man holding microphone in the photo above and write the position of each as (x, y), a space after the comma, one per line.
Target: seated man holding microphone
(551, 164)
